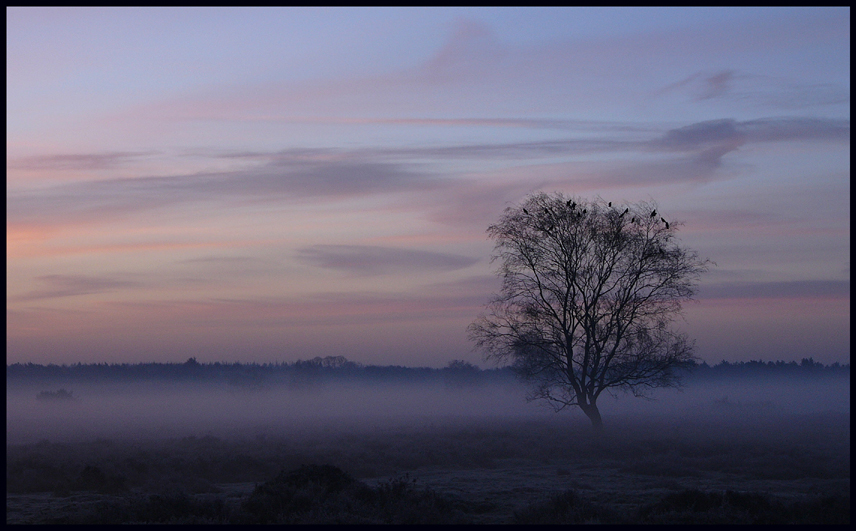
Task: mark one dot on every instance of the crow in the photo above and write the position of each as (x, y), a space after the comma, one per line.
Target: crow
(610, 204)
(654, 214)
(525, 211)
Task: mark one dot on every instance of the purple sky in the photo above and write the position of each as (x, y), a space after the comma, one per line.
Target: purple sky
(274, 184)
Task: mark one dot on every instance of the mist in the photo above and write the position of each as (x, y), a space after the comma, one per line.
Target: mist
(191, 443)
(159, 409)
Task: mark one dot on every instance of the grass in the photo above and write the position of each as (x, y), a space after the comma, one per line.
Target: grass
(782, 470)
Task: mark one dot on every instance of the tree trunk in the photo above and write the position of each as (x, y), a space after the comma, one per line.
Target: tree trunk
(593, 413)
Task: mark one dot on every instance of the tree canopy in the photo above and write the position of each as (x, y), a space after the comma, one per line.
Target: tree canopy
(588, 293)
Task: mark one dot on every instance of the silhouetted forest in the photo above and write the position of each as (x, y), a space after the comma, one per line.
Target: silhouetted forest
(338, 368)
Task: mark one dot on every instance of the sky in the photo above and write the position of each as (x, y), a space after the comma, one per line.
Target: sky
(273, 184)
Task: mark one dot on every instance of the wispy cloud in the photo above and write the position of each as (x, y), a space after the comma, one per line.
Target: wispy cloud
(109, 199)
(347, 308)
(543, 78)
(327, 309)
(703, 134)
(373, 260)
(19, 247)
(75, 285)
(712, 140)
(756, 90)
(839, 289)
(692, 153)
(82, 161)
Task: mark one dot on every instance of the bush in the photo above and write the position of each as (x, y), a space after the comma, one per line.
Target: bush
(56, 396)
(697, 507)
(324, 494)
(564, 508)
(93, 479)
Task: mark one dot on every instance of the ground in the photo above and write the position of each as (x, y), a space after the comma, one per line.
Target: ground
(793, 466)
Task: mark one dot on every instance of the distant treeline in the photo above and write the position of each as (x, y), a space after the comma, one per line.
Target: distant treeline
(330, 368)
(807, 367)
(337, 368)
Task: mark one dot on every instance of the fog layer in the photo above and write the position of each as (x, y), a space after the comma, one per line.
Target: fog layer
(175, 409)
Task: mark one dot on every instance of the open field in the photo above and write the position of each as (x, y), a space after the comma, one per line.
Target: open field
(717, 460)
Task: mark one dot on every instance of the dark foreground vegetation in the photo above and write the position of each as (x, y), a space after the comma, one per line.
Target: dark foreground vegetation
(787, 469)
(324, 494)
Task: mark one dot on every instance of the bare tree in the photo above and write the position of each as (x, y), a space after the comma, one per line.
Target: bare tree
(587, 297)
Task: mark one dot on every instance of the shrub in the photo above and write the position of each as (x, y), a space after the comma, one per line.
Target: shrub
(697, 507)
(56, 396)
(324, 494)
(565, 508)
